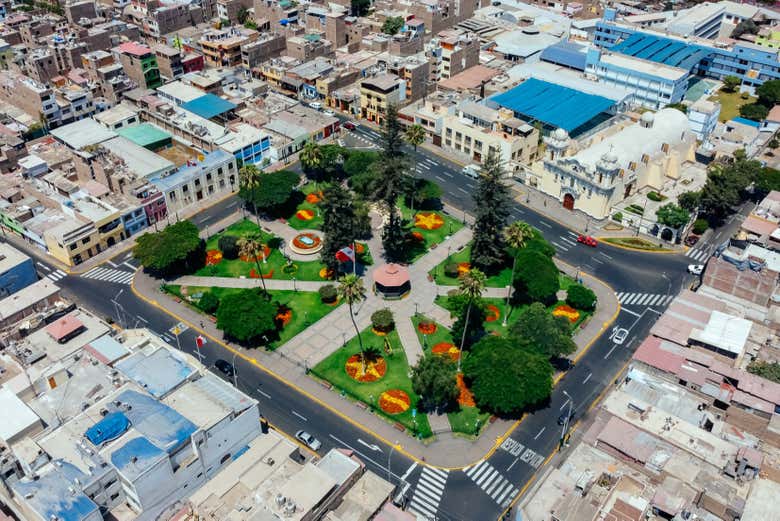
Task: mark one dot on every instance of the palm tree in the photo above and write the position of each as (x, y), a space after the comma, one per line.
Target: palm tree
(311, 155)
(415, 136)
(352, 290)
(252, 246)
(249, 180)
(471, 285)
(515, 235)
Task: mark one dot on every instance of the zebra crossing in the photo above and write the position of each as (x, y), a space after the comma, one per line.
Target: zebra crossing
(110, 275)
(50, 273)
(492, 483)
(644, 299)
(698, 254)
(428, 492)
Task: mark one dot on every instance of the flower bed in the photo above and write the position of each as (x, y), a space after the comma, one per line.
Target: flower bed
(213, 257)
(446, 349)
(305, 214)
(463, 268)
(428, 221)
(567, 311)
(375, 369)
(492, 313)
(426, 328)
(417, 236)
(466, 397)
(394, 401)
(314, 197)
(306, 243)
(326, 274)
(254, 275)
(284, 316)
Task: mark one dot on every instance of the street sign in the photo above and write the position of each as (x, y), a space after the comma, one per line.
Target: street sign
(200, 341)
(179, 328)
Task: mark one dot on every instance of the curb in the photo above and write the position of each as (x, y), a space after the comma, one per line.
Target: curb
(667, 251)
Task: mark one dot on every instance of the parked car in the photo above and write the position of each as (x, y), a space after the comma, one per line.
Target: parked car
(471, 171)
(691, 240)
(587, 240)
(563, 417)
(620, 336)
(695, 269)
(328, 112)
(349, 125)
(308, 440)
(225, 367)
(316, 105)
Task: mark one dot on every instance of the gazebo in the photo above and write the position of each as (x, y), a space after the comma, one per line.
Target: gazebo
(391, 281)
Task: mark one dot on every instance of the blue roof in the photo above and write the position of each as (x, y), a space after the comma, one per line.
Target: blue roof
(112, 426)
(661, 50)
(163, 426)
(568, 54)
(158, 373)
(135, 456)
(208, 106)
(52, 495)
(552, 104)
(746, 121)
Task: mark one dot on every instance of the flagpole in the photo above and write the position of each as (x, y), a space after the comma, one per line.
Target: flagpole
(354, 258)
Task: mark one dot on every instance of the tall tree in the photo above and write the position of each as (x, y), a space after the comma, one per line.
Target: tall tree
(434, 381)
(247, 315)
(689, 200)
(389, 183)
(311, 156)
(249, 181)
(415, 136)
(538, 330)
(504, 378)
(471, 286)
(251, 246)
(339, 223)
(176, 249)
(351, 290)
(492, 211)
(536, 279)
(516, 236)
(672, 215)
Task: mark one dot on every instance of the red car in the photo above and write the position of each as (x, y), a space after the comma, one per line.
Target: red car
(587, 240)
(349, 125)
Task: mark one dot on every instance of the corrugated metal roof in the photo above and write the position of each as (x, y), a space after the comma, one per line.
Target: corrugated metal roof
(568, 54)
(661, 50)
(208, 106)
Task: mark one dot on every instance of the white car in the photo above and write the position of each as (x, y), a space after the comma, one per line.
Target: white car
(695, 269)
(328, 112)
(471, 171)
(316, 105)
(620, 336)
(308, 440)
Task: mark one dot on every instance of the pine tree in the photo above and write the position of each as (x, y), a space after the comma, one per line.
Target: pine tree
(390, 184)
(492, 211)
(339, 223)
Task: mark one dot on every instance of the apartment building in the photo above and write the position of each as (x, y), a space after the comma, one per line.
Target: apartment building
(169, 61)
(231, 9)
(267, 46)
(413, 69)
(222, 47)
(377, 93)
(139, 63)
(451, 52)
(308, 47)
(275, 11)
(53, 107)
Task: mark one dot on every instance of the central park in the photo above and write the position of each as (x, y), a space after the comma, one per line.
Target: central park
(359, 273)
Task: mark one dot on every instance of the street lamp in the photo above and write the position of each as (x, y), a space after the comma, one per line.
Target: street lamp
(390, 455)
(235, 371)
(566, 421)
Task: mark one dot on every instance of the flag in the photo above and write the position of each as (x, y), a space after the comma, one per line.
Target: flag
(345, 254)
(200, 341)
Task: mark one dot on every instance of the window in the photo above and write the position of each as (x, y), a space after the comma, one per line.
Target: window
(73, 246)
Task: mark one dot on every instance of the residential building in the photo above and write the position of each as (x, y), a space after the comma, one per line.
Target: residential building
(37, 298)
(703, 118)
(275, 11)
(17, 270)
(222, 47)
(54, 107)
(415, 70)
(267, 46)
(452, 52)
(293, 127)
(139, 63)
(308, 47)
(248, 144)
(377, 93)
(169, 61)
(476, 130)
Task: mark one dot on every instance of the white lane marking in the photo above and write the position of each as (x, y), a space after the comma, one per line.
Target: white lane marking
(668, 300)
(630, 312)
(264, 393)
(512, 465)
(587, 378)
(462, 190)
(568, 241)
(481, 471)
(545, 225)
(488, 475)
(43, 266)
(564, 404)
(129, 266)
(111, 264)
(440, 178)
(656, 300)
(630, 298)
(539, 433)
(558, 246)
(142, 319)
(300, 416)
(470, 471)
(408, 471)
(594, 259)
(610, 352)
(605, 255)
(93, 270)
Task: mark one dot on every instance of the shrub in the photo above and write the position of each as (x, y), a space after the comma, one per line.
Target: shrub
(382, 320)
(617, 217)
(451, 269)
(208, 303)
(580, 297)
(274, 242)
(228, 245)
(700, 225)
(328, 294)
(655, 196)
(744, 95)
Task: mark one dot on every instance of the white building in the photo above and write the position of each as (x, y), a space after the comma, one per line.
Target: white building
(703, 118)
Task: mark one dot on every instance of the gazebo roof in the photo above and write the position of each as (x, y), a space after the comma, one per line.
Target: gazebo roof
(391, 275)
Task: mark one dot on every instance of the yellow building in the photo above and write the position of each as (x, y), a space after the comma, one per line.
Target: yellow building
(93, 227)
(377, 93)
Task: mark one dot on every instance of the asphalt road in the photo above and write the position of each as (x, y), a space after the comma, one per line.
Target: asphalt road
(483, 490)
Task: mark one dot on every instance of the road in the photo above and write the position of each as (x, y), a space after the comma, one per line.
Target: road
(645, 282)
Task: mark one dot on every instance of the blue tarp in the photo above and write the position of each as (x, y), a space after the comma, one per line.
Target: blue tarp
(112, 426)
(553, 105)
(208, 106)
(748, 122)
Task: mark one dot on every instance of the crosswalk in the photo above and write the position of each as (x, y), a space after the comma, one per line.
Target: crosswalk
(490, 480)
(428, 492)
(110, 275)
(698, 254)
(644, 299)
(52, 274)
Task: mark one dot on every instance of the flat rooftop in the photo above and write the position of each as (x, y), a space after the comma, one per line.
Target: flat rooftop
(662, 50)
(10, 257)
(83, 133)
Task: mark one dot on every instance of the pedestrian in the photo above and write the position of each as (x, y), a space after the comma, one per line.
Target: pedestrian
(545, 203)
(201, 324)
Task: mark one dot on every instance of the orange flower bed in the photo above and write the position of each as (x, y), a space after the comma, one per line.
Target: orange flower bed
(313, 198)
(394, 401)
(428, 221)
(305, 215)
(284, 316)
(417, 236)
(567, 311)
(463, 268)
(466, 397)
(446, 349)
(266, 252)
(213, 257)
(315, 241)
(326, 274)
(426, 328)
(375, 369)
(492, 313)
(360, 248)
(253, 274)
(378, 333)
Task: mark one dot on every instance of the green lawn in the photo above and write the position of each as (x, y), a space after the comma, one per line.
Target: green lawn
(431, 238)
(464, 419)
(397, 377)
(730, 102)
(500, 280)
(306, 305)
(276, 263)
(316, 222)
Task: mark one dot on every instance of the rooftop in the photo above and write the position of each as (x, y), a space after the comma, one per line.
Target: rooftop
(83, 133)
(187, 173)
(26, 297)
(18, 418)
(208, 106)
(661, 50)
(10, 257)
(633, 63)
(50, 494)
(142, 162)
(145, 135)
(157, 371)
(724, 332)
(180, 91)
(134, 48)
